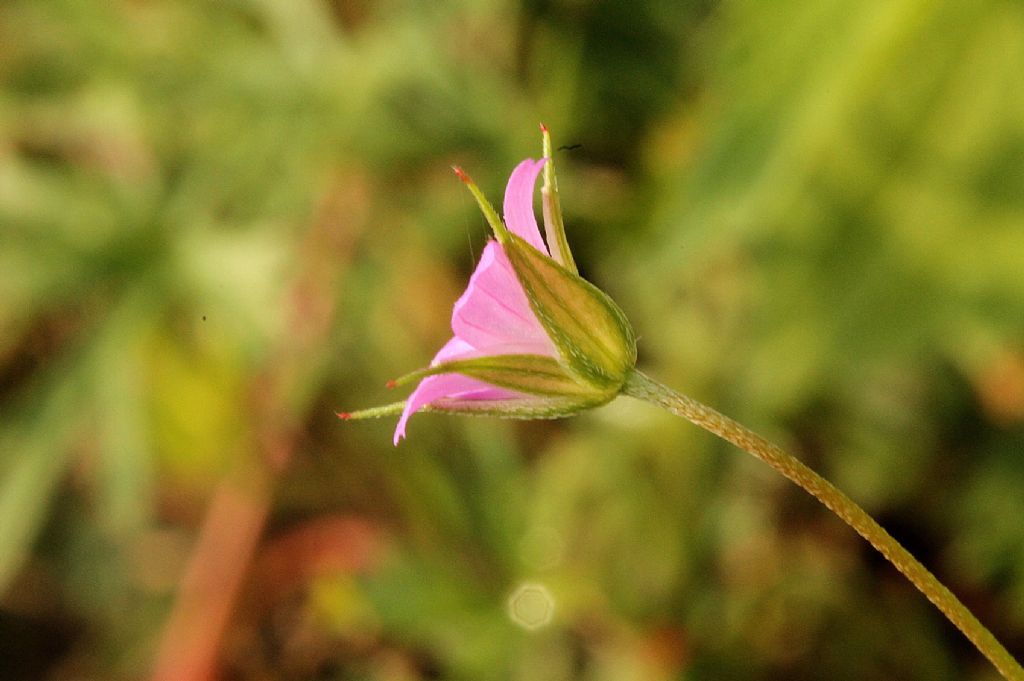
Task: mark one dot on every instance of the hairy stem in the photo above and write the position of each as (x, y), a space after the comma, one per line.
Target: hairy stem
(642, 387)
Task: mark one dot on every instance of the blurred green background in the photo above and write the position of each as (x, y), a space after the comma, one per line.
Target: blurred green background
(223, 221)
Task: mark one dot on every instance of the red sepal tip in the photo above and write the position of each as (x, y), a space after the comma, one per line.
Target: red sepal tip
(543, 128)
(344, 415)
(390, 385)
(462, 174)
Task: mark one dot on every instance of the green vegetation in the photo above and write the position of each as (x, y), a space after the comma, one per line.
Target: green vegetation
(221, 222)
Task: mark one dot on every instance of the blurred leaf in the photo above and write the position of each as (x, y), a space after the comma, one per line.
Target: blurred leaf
(35, 454)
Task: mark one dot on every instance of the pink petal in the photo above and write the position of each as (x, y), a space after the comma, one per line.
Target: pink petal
(494, 310)
(456, 348)
(493, 316)
(519, 216)
(434, 388)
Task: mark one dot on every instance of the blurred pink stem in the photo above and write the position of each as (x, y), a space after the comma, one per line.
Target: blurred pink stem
(234, 522)
(213, 578)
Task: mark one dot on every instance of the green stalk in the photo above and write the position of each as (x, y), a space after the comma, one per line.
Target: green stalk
(642, 387)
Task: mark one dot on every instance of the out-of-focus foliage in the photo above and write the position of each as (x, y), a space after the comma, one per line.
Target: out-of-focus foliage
(222, 221)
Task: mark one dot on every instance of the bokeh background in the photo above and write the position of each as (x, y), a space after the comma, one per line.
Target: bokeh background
(223, 221)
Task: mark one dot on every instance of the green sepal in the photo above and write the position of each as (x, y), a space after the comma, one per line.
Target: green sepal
(554, 226)
(373, 412)
(592, 334)
(532, 407)
(527, 407)
(501, 232)
(531, 374)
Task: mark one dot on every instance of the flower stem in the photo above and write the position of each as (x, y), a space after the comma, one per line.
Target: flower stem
(642, 387)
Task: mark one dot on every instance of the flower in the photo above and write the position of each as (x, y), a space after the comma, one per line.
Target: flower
(531, 338)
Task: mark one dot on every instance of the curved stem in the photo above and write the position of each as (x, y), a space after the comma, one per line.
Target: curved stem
(642, 387)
